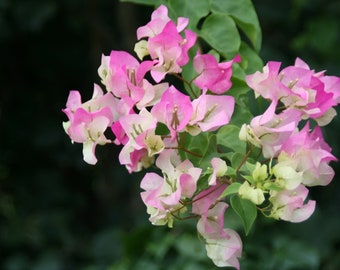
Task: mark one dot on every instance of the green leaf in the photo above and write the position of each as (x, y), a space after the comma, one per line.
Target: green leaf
(231, 189)
(220, 32)
(189, 9)
(236, 160)
(161, 129)
(244, 14)
(251, 61)
(196, 144)
(211, 152)
(241, 115)
(189, 73)
(228, 137)
(246, 210)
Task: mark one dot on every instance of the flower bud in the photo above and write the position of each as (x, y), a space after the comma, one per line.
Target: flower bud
(255, 195)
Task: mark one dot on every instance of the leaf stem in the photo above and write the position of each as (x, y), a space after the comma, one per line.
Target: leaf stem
(192, 92)
(244, 159)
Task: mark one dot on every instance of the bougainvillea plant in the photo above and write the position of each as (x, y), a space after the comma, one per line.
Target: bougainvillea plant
(212, 150)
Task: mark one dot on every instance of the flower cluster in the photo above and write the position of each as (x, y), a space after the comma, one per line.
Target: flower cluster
(299, 157)
(153, 121)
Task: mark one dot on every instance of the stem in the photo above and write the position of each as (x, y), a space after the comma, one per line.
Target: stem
(244, 159)
(192, 93)
(186, 151)
(205, 195)
(183, 218)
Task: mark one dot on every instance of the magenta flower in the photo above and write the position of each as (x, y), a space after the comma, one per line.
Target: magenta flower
(206, 198)
(313, 94)
(165, 45)
(213, 76)
(169, 50)
(174, 109)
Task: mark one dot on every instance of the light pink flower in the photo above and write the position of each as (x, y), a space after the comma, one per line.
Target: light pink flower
(271, 130)
(267, 83)
(213, 76)
(219, 167)
(289, 204)
(159, 18)
(123, 75)
(223, 245)
(210, 112)
(309, 154)
(88, 121)
(178, 182)
(137, 131)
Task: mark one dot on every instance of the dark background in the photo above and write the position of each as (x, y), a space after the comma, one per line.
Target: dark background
(57, 212)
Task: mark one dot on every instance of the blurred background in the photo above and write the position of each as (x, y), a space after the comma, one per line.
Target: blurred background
(57, 212)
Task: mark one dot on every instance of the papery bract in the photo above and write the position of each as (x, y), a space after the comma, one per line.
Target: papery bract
(169, 50)
(267, 83)
(289, 204)
(123, 75)
(313, 94)
(210, 112)
(225, 251)
(270, 130)
(159, 18)
(213, 76)
(137, 128)
(223, 245)
(88, 121)
(309, 154)
(174, 110)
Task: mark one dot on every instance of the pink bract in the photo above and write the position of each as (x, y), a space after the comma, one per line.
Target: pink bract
(213, 76)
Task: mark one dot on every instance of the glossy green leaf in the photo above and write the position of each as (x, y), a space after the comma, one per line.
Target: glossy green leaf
(228, 136)
(162, 129)
(246, 210)
(251, 61)
(210, 152)
(244, 14)
(220, 32)
(231, 189)
(186, 8)
(241, 115)
(236, 160)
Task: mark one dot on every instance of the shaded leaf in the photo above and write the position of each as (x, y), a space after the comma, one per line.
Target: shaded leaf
(228, 136)
(244, 14)
(231, 189)
(193, 11)
(220, 32)
(246, 210)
